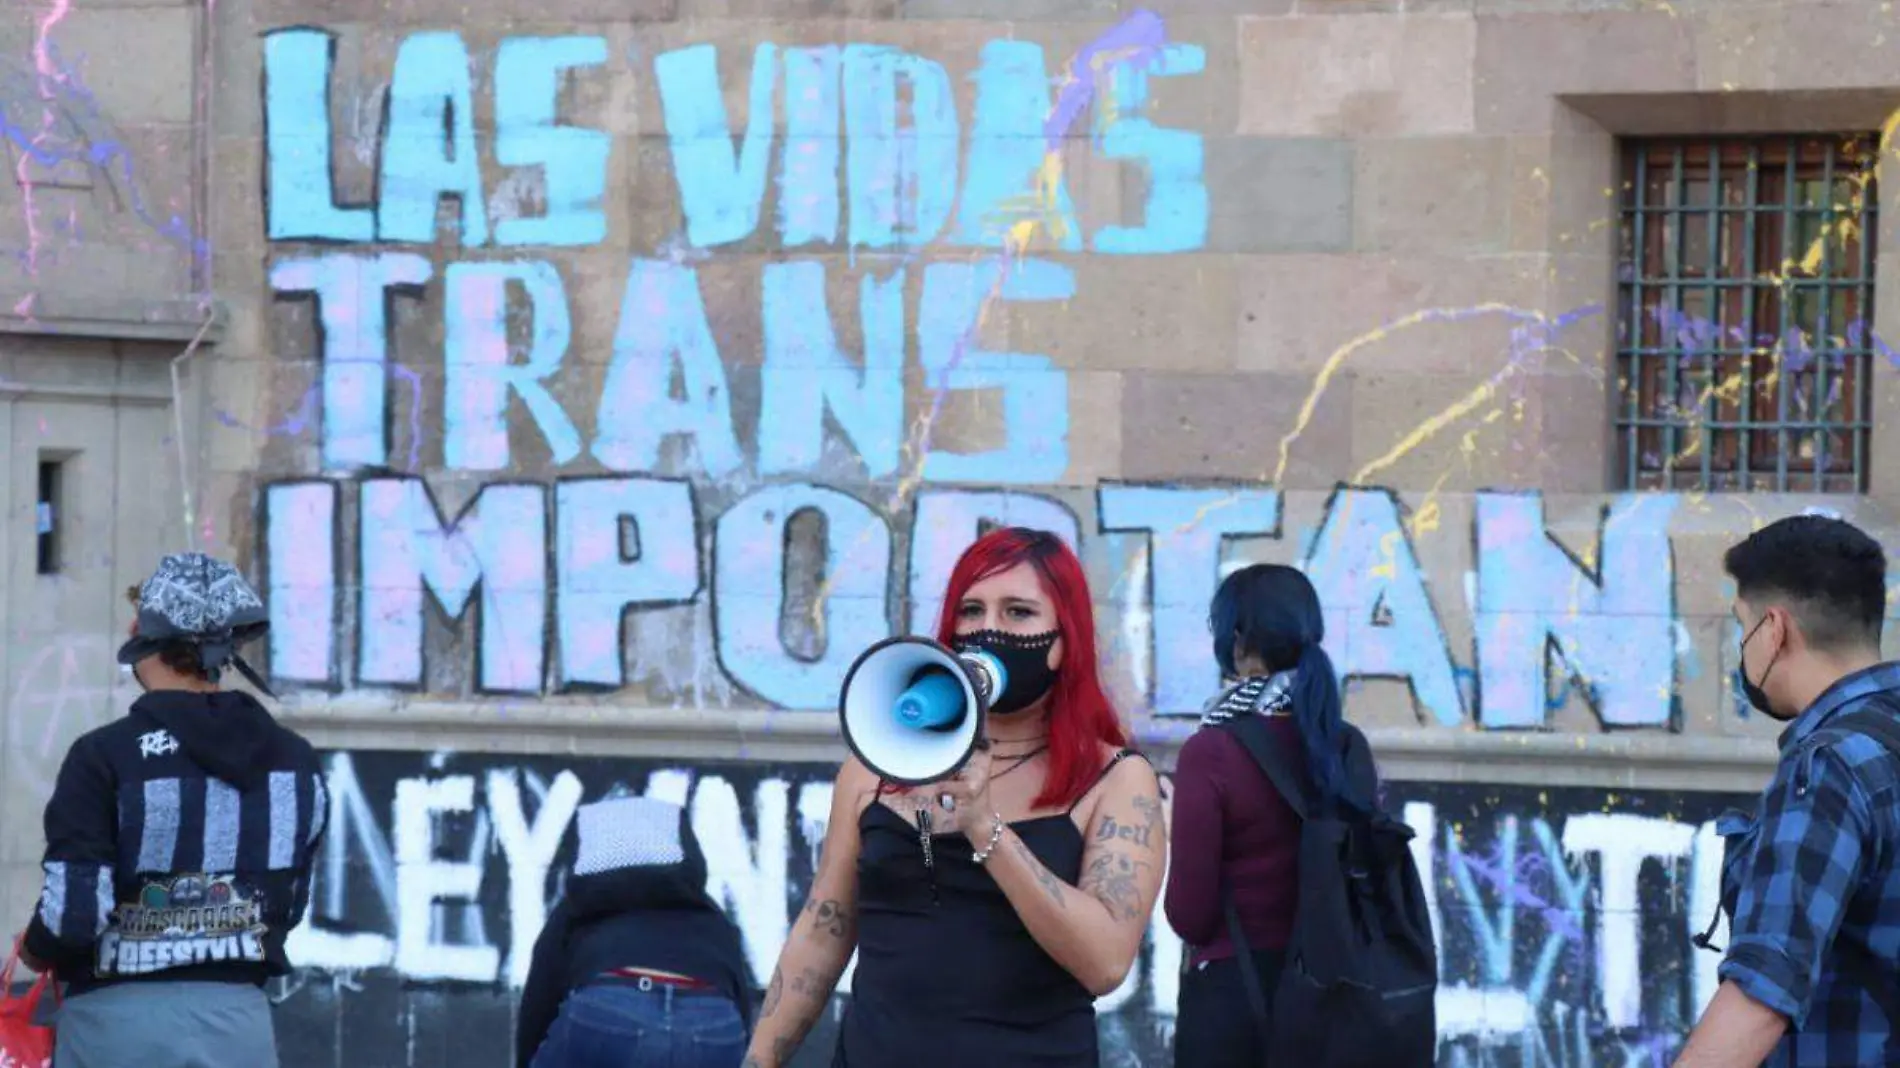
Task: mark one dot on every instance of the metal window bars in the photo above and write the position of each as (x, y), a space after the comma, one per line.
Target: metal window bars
(1746, 293)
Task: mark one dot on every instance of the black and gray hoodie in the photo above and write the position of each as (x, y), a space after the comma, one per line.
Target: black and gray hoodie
(179, 842)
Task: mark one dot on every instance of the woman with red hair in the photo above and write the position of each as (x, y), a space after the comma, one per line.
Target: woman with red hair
(985, 927)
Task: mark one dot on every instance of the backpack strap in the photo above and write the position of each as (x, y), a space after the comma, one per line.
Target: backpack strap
(1249, 975)
(1251, 732)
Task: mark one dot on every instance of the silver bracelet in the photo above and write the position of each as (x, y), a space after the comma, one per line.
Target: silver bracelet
(996, 835)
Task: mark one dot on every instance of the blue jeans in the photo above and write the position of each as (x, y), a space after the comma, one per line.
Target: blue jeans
(619, 1025)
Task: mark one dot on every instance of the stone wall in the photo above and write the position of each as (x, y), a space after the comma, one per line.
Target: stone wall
(603, 378)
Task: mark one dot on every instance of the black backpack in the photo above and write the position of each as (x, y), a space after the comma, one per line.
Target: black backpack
(1359, 988)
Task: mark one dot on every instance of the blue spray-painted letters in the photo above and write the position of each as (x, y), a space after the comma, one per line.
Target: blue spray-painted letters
(663, 325)
(806, 375)
(1611, 621)
(620, 543)
(302, 202)
(808, 179)
(902, 177)
(1380, 621)
(1174, 218)
(721, 193)
(351, 292)
(749, 549)
(573, 161)
(1007, 150)
(1186, 528)
(301, 532)
(479, 374)
(405, 549)
(429, 147)
(1035, 393)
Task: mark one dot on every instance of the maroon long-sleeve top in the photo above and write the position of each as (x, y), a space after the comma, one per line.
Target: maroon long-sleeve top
(1231, 826)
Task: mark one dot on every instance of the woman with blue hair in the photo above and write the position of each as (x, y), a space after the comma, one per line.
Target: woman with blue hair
(1234, 836)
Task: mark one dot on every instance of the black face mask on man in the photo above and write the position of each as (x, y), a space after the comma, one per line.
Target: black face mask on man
(1751, 690)
(1025, 660)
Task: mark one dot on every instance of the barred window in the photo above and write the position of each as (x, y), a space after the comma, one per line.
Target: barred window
(1746, 297)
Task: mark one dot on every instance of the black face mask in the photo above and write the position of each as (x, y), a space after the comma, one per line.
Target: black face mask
(1025, 660)
(1756, 696)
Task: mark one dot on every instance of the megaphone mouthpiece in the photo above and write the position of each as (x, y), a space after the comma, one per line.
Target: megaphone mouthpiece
(986, 673)
(933, 702)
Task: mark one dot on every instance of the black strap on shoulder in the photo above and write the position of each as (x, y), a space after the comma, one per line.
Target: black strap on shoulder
(1120, 755)
(1251, 731)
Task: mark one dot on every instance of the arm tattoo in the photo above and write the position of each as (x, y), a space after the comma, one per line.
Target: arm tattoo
(773, 993)
(831, 917)
(1139, 832)
(1154, 820)
(811, 984)
(1110, 879)
(812, 992)
(1044, 877)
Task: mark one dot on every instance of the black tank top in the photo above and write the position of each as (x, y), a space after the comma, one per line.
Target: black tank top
(948, 976)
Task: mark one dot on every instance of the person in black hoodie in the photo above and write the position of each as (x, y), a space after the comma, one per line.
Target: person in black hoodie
(636, 964)
(179, 842)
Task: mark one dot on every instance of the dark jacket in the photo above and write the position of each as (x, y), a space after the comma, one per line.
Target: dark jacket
(178, 845)
(636, 897)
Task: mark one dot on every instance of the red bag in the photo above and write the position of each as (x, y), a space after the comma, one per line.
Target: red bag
(23, 1043)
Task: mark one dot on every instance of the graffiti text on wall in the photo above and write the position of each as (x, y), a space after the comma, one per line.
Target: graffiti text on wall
(675, 504)
(552, 573)
(899, 190)
(1563, 926)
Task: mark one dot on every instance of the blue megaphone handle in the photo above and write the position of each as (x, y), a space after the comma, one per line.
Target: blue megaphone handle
(933, 703)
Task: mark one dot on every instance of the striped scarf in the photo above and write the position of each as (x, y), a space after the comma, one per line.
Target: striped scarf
(1265, 695)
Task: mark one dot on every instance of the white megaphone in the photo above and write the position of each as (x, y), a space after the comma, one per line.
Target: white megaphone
(912, 709)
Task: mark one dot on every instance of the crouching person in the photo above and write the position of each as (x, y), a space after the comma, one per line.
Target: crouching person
(178, 845)
(636, 964)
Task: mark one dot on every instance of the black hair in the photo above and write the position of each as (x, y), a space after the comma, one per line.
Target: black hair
(180, 656)
(1826, 572)
(184, 658)
(1272, 612)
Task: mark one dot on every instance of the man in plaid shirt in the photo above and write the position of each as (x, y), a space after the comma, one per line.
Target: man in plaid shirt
(1812, 881)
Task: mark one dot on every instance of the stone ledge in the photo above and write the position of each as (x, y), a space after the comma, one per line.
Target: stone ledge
(128, 320)
(1612, 761)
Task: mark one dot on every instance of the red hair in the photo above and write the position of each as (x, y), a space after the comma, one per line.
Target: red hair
(1080, 716)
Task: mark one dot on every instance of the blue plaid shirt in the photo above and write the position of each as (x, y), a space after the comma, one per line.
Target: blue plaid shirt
(1812, 886)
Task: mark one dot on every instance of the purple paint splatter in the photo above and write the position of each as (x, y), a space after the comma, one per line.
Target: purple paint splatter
(1137, 38)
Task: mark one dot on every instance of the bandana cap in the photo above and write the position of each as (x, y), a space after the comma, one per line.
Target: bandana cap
(199, 600)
